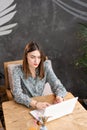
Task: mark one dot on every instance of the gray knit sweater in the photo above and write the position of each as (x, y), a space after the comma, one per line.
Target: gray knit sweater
(24, 89)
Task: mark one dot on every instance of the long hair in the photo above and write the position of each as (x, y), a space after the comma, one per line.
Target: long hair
(32, 46)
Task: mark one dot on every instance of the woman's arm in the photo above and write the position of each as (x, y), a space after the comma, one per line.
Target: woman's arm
(56, 85)
(17, 91)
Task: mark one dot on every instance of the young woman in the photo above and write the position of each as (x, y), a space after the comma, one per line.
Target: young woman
(31, 77)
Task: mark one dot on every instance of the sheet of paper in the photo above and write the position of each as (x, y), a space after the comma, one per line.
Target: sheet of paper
(37, 113)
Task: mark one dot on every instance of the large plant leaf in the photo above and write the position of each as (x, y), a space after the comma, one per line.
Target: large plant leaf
(5, 4)
(4, 12)
(7, 12)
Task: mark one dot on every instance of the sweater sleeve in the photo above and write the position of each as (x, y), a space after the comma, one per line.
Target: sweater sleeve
(17, 91)
(57, 87)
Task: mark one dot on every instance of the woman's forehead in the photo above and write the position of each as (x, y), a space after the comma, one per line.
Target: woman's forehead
(35, 53)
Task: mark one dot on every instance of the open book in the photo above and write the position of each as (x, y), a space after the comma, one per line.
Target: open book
(56, 110)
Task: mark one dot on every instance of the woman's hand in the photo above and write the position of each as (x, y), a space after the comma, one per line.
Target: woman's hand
(42, 105)
(58, 99)
(39, 105)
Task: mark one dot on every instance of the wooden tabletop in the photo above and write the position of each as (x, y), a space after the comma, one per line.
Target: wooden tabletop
(17, 116)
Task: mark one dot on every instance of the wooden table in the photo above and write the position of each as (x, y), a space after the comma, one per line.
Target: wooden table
(17, 116)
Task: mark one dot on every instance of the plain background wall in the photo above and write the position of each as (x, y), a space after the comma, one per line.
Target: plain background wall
(55, 27)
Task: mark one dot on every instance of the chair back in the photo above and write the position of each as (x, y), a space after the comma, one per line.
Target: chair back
(7, 74)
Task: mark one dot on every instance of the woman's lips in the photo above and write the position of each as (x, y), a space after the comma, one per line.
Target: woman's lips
(35, 64)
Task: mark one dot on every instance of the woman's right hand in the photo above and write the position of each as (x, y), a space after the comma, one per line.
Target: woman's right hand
(42, 105)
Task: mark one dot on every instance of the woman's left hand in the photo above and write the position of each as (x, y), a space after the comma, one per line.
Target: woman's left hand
(58, 99)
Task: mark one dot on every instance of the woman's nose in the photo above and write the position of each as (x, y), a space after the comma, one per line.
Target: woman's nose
(36, 60)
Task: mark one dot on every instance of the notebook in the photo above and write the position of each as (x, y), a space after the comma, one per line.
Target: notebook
(56, 110)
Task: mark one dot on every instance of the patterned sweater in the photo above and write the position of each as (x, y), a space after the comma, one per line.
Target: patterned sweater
(23, 89)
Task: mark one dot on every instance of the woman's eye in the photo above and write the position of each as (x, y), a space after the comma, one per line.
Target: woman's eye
(32, 57)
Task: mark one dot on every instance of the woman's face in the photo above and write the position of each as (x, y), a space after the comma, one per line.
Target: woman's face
(34, 59)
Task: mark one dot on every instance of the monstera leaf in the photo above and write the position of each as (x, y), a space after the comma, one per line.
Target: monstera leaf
(7, 12)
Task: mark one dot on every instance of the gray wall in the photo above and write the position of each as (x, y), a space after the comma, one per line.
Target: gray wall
(54, 24)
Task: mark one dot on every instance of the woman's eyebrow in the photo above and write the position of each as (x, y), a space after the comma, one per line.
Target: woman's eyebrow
(35, 56)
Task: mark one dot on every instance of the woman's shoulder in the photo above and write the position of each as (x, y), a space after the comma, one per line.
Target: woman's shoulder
(47, 63)
(14, 70)
(17, 68)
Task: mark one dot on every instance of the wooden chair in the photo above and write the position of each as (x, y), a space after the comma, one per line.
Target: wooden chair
(7, 85)
(1, 127)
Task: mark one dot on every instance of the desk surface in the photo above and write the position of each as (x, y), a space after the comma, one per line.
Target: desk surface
(17, 116)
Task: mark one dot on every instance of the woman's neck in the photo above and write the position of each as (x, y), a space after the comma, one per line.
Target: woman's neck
(33, 72)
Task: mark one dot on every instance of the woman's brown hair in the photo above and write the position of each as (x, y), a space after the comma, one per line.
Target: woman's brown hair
(32, 46)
